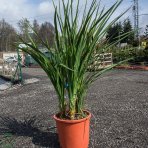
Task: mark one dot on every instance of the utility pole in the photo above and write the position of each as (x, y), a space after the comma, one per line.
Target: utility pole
(136, 19)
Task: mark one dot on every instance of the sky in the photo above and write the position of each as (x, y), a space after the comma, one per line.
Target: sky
(42, 10)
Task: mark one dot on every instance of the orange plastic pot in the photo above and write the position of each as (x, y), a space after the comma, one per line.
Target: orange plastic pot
(73, 133)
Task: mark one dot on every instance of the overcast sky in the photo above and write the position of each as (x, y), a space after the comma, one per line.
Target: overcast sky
(42, 10)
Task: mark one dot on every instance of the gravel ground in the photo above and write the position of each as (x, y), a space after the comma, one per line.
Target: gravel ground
(118, 101)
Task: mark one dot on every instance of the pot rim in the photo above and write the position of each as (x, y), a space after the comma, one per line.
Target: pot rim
(73, 121)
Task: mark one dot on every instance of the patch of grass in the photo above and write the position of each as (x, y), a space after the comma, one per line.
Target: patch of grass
(7, 141)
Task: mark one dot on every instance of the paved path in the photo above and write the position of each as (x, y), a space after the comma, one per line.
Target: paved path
(4, 84)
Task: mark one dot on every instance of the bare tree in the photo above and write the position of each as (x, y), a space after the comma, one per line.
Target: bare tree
(146, 31)
(47, 32)
(36, 28)
(24, 28)
(7, 36)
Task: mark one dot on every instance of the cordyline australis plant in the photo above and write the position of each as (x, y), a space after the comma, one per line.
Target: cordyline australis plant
(75, 45)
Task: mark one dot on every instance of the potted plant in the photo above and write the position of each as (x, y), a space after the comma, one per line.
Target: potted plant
(75, 44)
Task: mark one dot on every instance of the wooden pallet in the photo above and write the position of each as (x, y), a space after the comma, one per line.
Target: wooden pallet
(101, 61)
